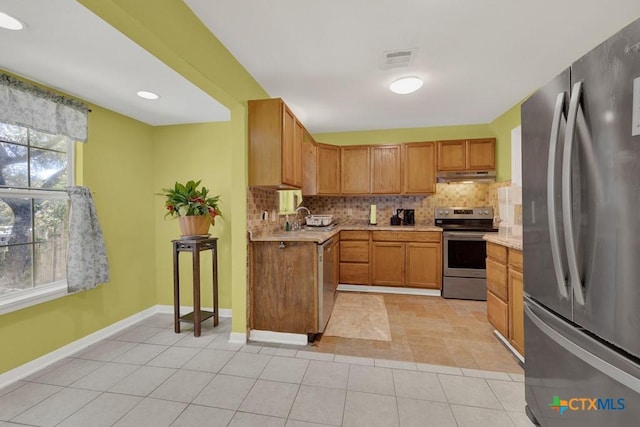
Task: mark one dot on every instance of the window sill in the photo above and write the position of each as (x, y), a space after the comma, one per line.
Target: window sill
(30, 298)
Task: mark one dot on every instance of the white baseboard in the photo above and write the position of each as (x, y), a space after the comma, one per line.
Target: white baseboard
(238, 338)
(389, 290)
(35, 365)
(506, 342)
(278, 337)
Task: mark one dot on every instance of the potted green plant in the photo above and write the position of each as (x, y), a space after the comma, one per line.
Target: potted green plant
(193, 207)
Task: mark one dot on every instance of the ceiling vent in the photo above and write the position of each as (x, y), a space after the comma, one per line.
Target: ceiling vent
(398, 58)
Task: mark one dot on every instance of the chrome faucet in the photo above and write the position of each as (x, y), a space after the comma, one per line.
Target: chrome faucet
(296, 223)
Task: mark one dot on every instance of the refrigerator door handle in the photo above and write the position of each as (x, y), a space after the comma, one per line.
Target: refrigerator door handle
(597, 363)
(567, 195)
(558, 117)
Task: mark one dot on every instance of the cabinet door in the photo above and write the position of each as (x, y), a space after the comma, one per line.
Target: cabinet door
(424, 265)
(498, 313)
(386, 169)
(354, 251)
(419, 168)
(298, 132)
(354, 273)
(283, 287)
(328, 169)
(309, 165)
(288, 147)
(516, 310)
(388, 263)
(481, 154)
(497, 279)
(451, 155)
(355, 171)
(265, 142)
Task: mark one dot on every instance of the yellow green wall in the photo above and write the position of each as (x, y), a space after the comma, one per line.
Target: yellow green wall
(502, 127)
(170, 31)
(393, 136)
(183, 153)
(116, 166)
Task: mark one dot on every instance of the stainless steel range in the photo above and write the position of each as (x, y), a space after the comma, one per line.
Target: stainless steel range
(464, 251)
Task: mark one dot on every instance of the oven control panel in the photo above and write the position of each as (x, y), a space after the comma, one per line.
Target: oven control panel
(464, 213)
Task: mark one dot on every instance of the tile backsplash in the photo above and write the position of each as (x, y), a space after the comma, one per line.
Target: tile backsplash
(356, 208)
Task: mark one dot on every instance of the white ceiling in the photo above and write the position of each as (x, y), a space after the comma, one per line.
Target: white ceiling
(67, 47)
(478, 58)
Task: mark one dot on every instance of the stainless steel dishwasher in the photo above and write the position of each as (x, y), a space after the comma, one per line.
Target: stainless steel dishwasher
(327, 266)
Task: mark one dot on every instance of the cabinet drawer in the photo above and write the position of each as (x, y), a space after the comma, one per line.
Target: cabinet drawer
(515, 259)
(354, 251)
(497, 279)
(407, 236)
(354, 235)
(498, 313)
(357, 274)
(497, 252)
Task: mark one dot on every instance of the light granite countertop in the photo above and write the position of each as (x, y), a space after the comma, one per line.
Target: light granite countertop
(509, 242)
(320, 234)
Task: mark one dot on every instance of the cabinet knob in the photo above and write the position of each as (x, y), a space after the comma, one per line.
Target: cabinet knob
(282, 245)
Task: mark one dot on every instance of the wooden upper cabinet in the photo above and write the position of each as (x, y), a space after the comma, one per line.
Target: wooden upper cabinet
(328, 172)
(298, 132)
(419, 168)
(452, 155)
(288, 147)
(275, 145)
(355, 170)
(481, 154)
(309, 165)
(386, 169)
(471, 154)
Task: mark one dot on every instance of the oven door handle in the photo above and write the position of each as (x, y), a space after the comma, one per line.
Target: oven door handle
(466, 235)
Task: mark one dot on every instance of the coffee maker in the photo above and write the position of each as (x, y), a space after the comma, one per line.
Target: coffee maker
(409, 217)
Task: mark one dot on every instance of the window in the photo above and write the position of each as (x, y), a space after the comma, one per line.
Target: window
(35, 168)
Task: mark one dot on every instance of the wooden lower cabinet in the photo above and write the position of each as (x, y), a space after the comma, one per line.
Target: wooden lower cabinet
(402, 258)
(505, 293)
(516, 310)
(354, 257)
(424, 265)
(283, 294)
(388, 263)
(498, 313)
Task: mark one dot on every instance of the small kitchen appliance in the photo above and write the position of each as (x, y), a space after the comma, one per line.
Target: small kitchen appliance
(395, 219)
(409, 217)
(464, 250)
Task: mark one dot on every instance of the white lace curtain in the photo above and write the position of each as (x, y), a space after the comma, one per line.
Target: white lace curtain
(30, 106)
(27, 105)
(87, 264)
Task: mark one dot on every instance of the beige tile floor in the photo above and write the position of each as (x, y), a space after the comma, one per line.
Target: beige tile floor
(429, 330)
(149, 376)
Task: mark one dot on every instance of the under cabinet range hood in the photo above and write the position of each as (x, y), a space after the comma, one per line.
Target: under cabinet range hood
(466, 176)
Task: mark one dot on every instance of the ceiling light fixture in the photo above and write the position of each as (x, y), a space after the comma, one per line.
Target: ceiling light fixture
(405, 85)
(148, 95)
(9, 22)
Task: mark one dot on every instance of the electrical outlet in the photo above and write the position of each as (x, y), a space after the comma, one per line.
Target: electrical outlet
(349, 212)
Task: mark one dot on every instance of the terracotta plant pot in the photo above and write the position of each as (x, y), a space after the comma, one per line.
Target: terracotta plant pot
(194, 225)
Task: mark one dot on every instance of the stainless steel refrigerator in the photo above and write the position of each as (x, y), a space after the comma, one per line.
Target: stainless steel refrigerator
(581, 242)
